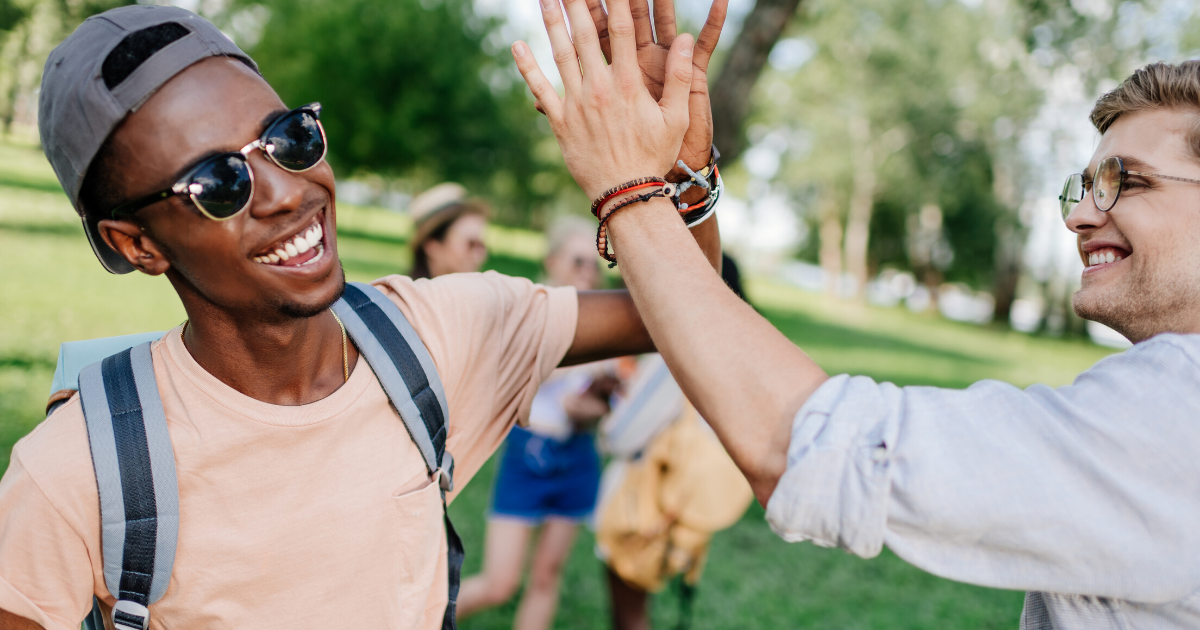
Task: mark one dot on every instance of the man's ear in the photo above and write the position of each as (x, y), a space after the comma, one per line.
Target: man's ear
(129, 240)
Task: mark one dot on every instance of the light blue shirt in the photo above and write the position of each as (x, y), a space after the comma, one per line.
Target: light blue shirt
(1087, 496)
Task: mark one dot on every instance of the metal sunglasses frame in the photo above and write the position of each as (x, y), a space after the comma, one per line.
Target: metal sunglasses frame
(1087, 184)
(184, 185)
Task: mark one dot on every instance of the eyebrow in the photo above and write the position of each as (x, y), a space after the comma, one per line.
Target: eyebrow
(266, 122)
(1130, 164)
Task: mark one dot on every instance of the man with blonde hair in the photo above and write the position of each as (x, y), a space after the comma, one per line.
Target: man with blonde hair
(1087, 496)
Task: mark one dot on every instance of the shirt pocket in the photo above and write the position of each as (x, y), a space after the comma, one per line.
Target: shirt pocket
(419, 540)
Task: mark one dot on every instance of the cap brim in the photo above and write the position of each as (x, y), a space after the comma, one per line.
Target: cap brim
(112, 261)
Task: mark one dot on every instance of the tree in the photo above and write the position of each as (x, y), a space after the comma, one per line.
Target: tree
(730, 95)
(407, 89)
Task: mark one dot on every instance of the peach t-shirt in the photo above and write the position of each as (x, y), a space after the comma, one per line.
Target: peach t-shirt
(316, 516)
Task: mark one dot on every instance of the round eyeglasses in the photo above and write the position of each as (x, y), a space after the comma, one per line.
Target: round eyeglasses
(1105, 187)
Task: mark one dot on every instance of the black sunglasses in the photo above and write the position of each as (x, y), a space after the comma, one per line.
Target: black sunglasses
(222, 185)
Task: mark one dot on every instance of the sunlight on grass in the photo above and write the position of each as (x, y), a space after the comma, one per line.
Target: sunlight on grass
(54, 291)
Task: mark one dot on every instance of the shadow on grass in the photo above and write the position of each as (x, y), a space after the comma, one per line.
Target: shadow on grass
(25, 362)
(48, 229)
(29, 183)
(805, 331)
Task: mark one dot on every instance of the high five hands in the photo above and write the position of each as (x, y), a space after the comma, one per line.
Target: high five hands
(635, 117)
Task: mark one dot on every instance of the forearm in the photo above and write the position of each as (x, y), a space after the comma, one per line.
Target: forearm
(744, 377)
(609, 323)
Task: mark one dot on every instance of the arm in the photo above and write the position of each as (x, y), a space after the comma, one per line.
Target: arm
(9, 621)
(609, 324)
(744, 377)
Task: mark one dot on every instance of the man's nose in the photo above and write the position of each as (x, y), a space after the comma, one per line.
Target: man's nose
(275, 189)
(1086, 216)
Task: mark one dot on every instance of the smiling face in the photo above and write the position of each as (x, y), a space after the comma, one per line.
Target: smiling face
(1142, 258)
(219, 105)
(462, 250)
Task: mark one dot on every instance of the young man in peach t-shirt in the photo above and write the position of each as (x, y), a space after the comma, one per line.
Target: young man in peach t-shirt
(303, 501)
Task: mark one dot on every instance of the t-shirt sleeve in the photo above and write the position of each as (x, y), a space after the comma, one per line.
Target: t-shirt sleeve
(45, 568)
(494, 339)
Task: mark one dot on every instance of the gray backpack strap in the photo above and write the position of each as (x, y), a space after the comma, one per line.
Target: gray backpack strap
(135, 473)
(408, 376)
(404, 369)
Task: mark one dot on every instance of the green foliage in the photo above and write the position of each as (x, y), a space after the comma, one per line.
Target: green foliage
(927, 81)
(11, 14)
(407, 88)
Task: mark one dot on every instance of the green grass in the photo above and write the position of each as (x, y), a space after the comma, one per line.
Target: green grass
(53, 290)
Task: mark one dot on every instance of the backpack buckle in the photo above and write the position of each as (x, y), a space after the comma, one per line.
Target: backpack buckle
(444, 478)
(130, 615)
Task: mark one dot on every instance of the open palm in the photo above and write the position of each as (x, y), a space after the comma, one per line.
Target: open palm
(653, 46)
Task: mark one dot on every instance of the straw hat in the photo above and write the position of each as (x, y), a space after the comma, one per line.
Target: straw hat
(440, 205)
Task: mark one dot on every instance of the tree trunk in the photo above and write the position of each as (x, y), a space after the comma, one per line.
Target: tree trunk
(731, 94)
(858, 219)
(830, 254)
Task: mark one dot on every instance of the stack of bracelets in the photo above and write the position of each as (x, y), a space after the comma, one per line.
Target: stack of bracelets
(708, 178)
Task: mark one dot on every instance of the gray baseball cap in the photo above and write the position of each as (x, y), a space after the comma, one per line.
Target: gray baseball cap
(79, 106)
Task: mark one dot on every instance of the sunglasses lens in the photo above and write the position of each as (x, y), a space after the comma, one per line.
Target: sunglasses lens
(222, 186)
(296, 140)
(1072, 194)
(1108, 183)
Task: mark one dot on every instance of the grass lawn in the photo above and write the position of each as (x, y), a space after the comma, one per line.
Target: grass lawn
(53, 291)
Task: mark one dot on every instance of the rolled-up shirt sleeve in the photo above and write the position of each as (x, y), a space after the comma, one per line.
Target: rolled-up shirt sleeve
(1092, 488)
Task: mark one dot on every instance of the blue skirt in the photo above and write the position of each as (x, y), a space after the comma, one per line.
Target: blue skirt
(541, 477)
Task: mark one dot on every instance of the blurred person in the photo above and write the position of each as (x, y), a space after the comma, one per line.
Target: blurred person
(667, 489)
(302, 499)
(550, 472)
(1086, 496)
(448, 230)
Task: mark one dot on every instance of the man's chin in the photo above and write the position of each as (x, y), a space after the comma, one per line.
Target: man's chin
(331, 291)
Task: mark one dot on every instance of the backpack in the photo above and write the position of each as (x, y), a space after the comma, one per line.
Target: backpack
(135, 463)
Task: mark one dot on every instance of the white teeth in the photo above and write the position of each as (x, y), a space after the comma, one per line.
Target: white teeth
(1119, 258)
(1091, 259)
(291, 250)
(283, 255)
(313, 237)
(1109, 257)
(301, 244)
(274, 258)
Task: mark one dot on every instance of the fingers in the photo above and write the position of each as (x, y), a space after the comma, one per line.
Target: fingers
(600, 19)
(583, 33)
(548, 101)
(560, 42)
(664, 22)
(710, 34)
(621, 33)
(641, 22)
(677, 84)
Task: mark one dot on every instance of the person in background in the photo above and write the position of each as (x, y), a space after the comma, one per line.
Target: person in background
(448, 228)
(668, 488)
(550, 473)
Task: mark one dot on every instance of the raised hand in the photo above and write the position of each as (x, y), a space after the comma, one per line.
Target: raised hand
(610, 127)
(652, 57)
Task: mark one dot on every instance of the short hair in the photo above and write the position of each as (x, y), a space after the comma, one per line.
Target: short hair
(565, 228)
(1159, 85)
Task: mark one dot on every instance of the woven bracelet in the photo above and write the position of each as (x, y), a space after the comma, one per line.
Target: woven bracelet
(641, 182)
(665, 190)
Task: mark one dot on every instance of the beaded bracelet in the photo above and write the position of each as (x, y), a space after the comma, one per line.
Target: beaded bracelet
(664, 190)
(642, 182)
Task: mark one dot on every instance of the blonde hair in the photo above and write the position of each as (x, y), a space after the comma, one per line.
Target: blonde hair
(1158, 85)
(565, 228)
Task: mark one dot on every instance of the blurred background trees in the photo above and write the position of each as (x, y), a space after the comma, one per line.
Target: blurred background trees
(904, 147)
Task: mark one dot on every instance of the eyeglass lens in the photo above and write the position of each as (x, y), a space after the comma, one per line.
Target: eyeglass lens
(296, 140)
(1072, 194)
(1107, 185)
(222, 186)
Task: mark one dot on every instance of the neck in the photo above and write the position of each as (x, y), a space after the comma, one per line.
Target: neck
(292, 361)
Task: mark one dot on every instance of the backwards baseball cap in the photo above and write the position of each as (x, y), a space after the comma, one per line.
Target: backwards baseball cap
(103, 71)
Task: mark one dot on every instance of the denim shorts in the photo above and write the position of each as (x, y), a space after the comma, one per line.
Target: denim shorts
(542, 477)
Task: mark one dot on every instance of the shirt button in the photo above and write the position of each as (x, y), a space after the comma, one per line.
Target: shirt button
(879, 454)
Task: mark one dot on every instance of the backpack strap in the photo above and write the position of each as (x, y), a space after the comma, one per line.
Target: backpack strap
(407, 374)
(135, 473)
